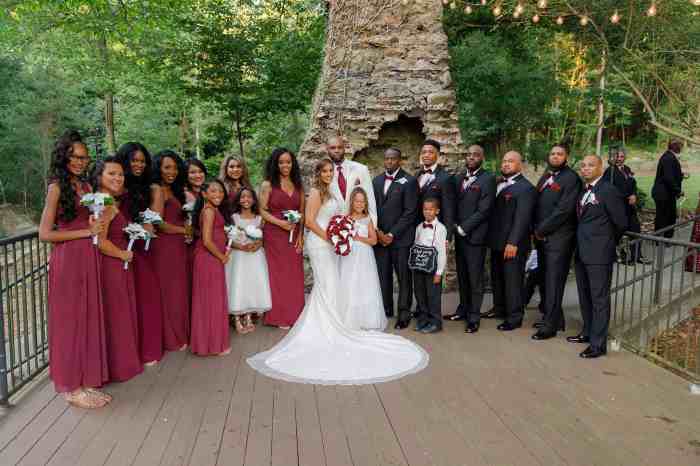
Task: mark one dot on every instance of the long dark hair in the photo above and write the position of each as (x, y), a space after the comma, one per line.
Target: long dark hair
(224, 208)
(323, 188)
(272, 169)
(197, 163)
(237, 201)
(98, 169)
(139, 187)
(59, 173)
(223, 172)
(178, 186)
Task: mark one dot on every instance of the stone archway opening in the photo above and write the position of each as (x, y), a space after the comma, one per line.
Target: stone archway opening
(406, 133)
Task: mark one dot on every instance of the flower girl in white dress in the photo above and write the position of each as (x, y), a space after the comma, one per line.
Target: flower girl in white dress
(360, 296)
(247, 278)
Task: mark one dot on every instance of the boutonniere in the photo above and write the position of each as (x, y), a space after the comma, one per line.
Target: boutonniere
(556, 187)
(508, 196)
(402, 180)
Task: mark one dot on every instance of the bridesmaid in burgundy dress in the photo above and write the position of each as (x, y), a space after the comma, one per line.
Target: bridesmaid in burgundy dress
(119, 296)
(196, 176)
(170, 250)
(282, 190)
(210, 333)
(234, 174)
(136, 161)
(77, 350)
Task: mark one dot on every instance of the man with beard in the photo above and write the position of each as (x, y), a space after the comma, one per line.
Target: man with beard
(602, 220)
(396, 193)
(434, 182)
(554, 231)
(509, 240)
(475, 195)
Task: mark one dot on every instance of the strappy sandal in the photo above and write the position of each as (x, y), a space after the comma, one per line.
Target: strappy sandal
(100, 394)
(240, 329)
(85, 400)
(248, 323)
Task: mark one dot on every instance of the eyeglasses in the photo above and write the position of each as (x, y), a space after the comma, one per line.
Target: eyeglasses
(80, 159)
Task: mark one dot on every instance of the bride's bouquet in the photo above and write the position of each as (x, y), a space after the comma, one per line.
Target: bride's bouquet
(135, 231)
(96, 203)
(340, 231)
(294, 217)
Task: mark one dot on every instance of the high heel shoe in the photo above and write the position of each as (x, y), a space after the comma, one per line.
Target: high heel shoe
(239, 326)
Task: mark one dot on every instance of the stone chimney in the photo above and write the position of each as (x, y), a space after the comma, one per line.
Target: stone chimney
(385, 82)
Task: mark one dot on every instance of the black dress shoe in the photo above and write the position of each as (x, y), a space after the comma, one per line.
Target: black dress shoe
(420, 326)
(431, 328)
(388, 314)
(592, 353)
(453, 317)
(507, 326)
(401, 324)
(578, 339)
(472, 327)
(543, 335)
(491, 314)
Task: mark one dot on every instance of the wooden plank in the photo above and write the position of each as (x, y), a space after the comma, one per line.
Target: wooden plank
(386, 445)
(17, 417)
(335, 442)
(234, 439)
(46, 447)
(308, 422)
(362, 449)
(284, 428)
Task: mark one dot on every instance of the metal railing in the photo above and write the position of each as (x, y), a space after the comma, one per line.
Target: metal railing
(656, 300)
(23, 311)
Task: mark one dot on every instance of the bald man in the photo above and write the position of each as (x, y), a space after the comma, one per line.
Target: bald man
(509, 240)
(602, 219)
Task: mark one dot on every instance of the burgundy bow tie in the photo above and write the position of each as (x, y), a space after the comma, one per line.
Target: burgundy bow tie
(428, 225)
(428, 171)
(388, 177)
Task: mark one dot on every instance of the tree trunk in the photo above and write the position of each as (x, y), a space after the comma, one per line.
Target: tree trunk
(109, 123)
(601, 110)
(197, 148)
(184, 131)
(239, 134)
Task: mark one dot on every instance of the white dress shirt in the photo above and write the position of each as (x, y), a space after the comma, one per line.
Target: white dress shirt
(387, 181)
(426, 178)
(590, 196)
(505, 183)
(437, 237)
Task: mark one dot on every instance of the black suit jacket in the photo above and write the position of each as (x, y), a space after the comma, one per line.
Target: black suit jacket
(600, 225)
(439, 188)
(512, 216)
(669, 176)
(555, 212)
(396, 211)
(474, 206)
(622, 179)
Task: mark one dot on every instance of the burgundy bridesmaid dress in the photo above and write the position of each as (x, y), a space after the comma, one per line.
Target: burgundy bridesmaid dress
(121, 321)
(286, 266)
(77, 342)
(170, 259)
(149, 310)
(210, 331)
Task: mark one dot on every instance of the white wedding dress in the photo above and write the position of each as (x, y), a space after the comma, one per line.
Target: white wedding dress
(319, 349)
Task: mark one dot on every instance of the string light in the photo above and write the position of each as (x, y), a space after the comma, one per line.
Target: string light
(615, 18)
(516, 15)
(652, 9)
(695, 2)
(445, 2)
(543, 4)
(497, 10)
(483, 2)
(584, 20)
(453, 5)
(536, 18)
(560, 20)
(468, 10)
(404, 2)
(519, 9)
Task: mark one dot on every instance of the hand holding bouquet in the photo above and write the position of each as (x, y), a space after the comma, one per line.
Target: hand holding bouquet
(188, 209)
(340, 232)
(233, 233)
(135, 231)
(293, 217)
(150, 217)
(97, 203)
(253, 233)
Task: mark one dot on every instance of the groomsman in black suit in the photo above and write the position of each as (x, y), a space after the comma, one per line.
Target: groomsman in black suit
(668, 187)
(602, 220)
(475, 195)
(509, 240)
(396, 194)
(555, 233)
(434, 181)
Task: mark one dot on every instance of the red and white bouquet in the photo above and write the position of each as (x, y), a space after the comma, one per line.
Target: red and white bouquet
(340, 232)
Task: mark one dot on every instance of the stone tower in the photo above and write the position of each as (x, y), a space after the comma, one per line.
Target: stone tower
(385, 82)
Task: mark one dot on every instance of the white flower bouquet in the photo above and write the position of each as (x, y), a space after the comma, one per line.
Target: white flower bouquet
(96, 203)
(253, 233)
(233, 233)
(150, 217)
(135, 231)
(294, 217)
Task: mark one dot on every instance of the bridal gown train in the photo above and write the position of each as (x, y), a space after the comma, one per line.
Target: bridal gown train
(319, 349)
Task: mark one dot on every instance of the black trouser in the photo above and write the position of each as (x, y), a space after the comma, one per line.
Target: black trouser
(554, 260)
(470, 273)
(507, 280)
(634, 227)
(428, 299)
(666, 215)
(390, 261)
(533, 279)
(593, 285)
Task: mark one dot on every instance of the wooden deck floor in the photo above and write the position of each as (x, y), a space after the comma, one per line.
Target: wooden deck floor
(486, 399)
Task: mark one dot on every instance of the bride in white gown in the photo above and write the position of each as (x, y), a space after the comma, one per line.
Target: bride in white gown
(319, 349)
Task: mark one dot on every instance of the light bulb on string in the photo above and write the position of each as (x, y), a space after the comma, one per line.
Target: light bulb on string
(584, 21)
(615, 18)
(542, 4)
(483, 2)
(536, 18)
(652, 9)
(445, 2)
(516, 15)
(468, 10)
(453, 5)
(560, 20)
(695, 2)
(497, 10)
(519, 9)
(404, 2)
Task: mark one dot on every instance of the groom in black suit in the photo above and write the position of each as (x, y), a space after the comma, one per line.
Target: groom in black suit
(396, 194)
(509, 240)
(602, 219)
(474, 192)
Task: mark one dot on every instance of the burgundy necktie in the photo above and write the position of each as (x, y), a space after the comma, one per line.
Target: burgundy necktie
(342, 183)
(428, 225)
